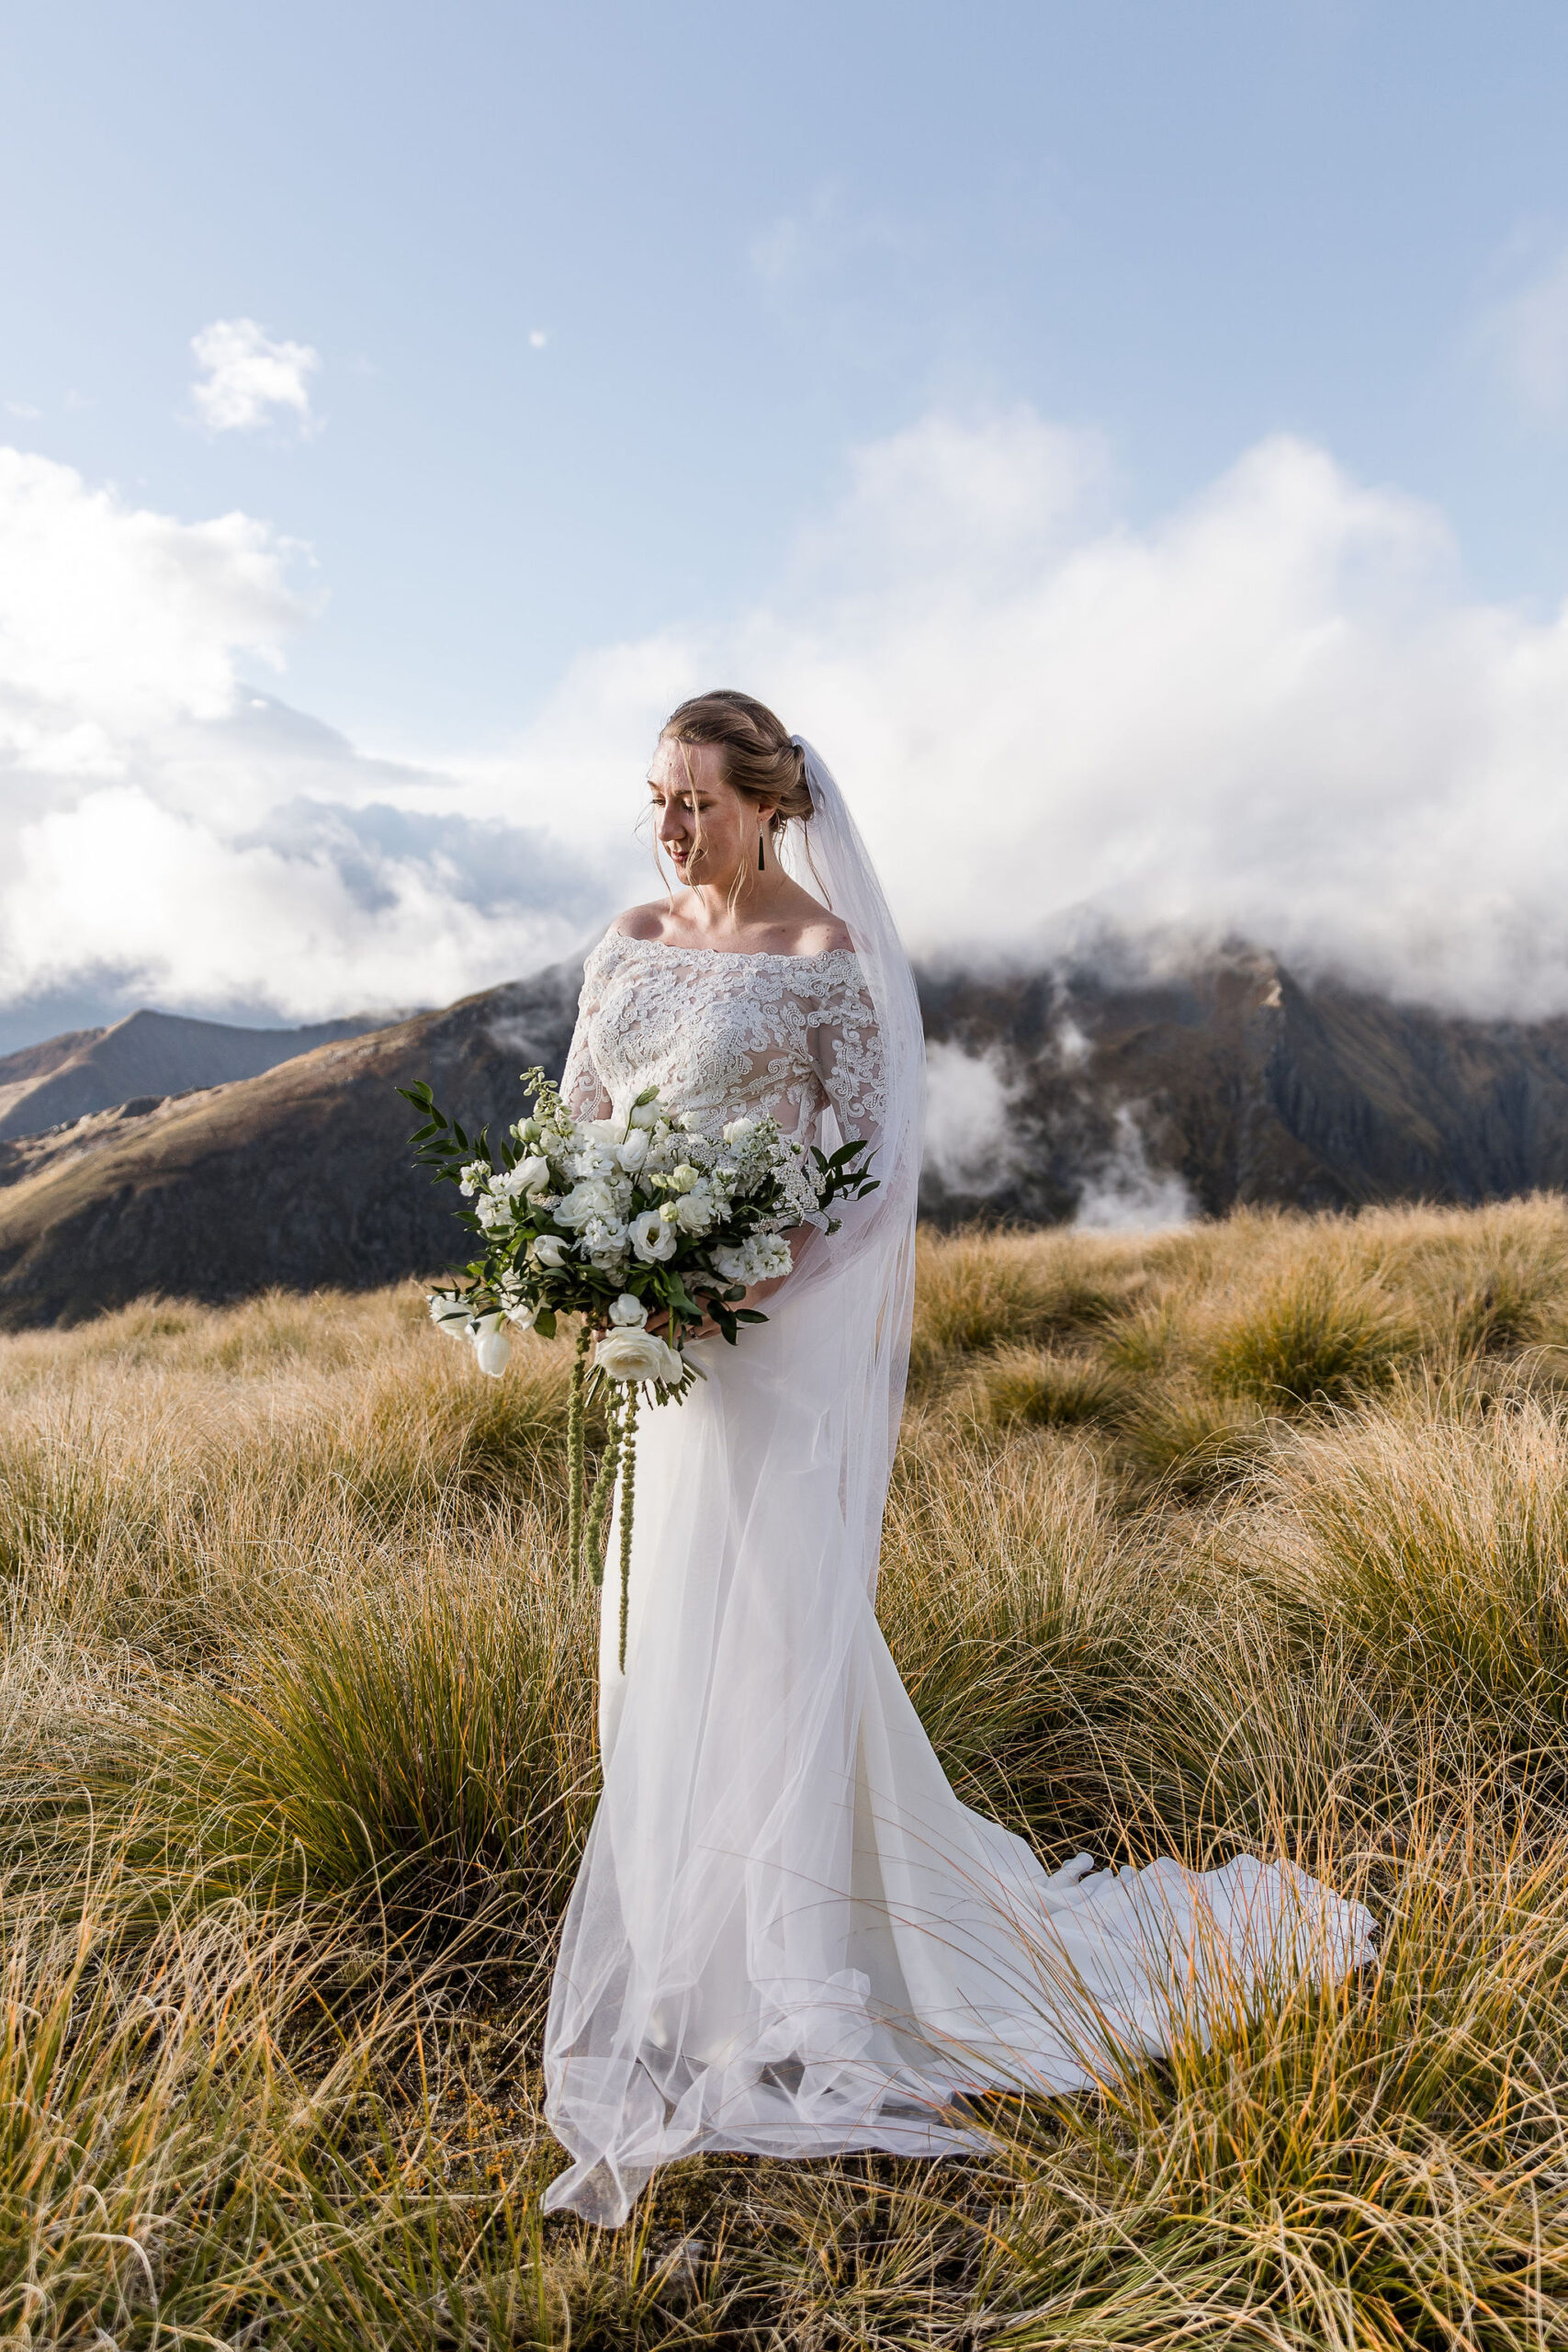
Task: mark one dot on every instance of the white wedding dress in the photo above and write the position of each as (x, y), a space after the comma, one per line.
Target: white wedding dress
(789, 1935)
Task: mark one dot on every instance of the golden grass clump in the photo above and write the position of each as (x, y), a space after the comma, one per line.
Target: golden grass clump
(1248, 1538)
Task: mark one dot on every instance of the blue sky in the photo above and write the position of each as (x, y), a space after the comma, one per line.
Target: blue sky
(604, 310)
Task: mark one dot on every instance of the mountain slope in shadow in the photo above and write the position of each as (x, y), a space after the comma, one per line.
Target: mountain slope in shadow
(302, 1176)
(1233, 1083)
(147, 1054)
(1110, 1093)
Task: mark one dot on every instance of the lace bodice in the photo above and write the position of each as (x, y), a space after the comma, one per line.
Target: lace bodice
(725, 1036)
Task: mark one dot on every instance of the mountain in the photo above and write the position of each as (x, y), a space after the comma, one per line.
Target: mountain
(147, 1054)
(1228, 1081)
(300, 1176)
(1114, 1089)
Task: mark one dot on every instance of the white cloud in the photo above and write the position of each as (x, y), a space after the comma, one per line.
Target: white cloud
(537, 338)
(1274, 711)
(247, 379)
(1527, 336)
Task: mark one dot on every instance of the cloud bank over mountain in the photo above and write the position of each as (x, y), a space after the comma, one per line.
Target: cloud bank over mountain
(1275, 710)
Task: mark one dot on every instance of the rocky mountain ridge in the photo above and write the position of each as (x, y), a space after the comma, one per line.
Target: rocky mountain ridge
(146, 1057)
(1108, 1091)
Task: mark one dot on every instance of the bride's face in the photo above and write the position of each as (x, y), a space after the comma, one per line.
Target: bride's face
(705, 828)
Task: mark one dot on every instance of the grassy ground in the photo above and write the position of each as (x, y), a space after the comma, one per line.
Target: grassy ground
(1251, 1537)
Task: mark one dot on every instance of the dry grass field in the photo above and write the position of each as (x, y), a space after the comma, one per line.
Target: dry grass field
(1252, 1536)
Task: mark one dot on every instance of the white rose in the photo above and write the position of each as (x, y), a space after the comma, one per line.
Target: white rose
(532, 1175)
(448, 1314)
(550, 1252)
(738, 1130)
(632, 1356)
(492, 1344)
(683, 1177)
(651, 1238)
(593, 1197)
(634, 1151)
(628, 1311)
(694, 1211)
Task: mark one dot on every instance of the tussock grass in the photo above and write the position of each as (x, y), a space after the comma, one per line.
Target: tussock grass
(1248, 1538)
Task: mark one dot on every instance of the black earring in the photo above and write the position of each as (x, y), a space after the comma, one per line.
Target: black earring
(762, 836)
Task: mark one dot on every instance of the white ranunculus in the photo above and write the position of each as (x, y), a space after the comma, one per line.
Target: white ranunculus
(684, 1177)
(449, 1315)
(492, 1344)
(550, 1252)
(652, 1238)
(632, 1356)
(634, 1151)
(629, 1312)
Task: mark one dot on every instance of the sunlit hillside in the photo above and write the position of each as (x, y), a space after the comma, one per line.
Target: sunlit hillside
(1248, 1536)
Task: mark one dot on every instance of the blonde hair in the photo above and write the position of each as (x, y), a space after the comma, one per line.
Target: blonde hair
(757, 758)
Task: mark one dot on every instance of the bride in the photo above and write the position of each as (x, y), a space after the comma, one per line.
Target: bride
(789, 1935)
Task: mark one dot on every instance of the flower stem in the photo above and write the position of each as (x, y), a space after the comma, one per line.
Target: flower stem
(574, 1454)
(628, 1480)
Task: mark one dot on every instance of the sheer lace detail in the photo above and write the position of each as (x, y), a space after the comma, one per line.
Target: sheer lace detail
(724, 1036)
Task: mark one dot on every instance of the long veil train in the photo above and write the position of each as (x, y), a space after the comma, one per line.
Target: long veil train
(787, 1934)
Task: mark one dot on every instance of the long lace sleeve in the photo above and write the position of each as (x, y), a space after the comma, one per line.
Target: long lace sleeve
(846, 1051)
(582, 1088)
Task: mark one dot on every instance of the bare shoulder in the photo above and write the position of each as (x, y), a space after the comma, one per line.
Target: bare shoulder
(821, 935)
(642, 923)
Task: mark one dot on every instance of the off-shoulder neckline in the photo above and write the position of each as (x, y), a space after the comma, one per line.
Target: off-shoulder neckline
(733, 955)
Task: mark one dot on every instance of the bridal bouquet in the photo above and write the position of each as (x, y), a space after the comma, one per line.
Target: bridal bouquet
(619, 1221)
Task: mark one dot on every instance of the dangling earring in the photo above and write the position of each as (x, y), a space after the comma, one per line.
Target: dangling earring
(761, 837)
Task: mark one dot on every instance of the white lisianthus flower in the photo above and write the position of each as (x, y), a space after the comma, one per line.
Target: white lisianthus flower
(492, 1344)
(448, 1314)
(651, 1238)
(629, 1312)
(669, 1212)
(644, 1114)
(632, 1356)
(634, 1151)
(550, 1252)
(610, 1131)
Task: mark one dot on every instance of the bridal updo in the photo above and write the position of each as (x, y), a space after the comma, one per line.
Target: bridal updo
(756, 756)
